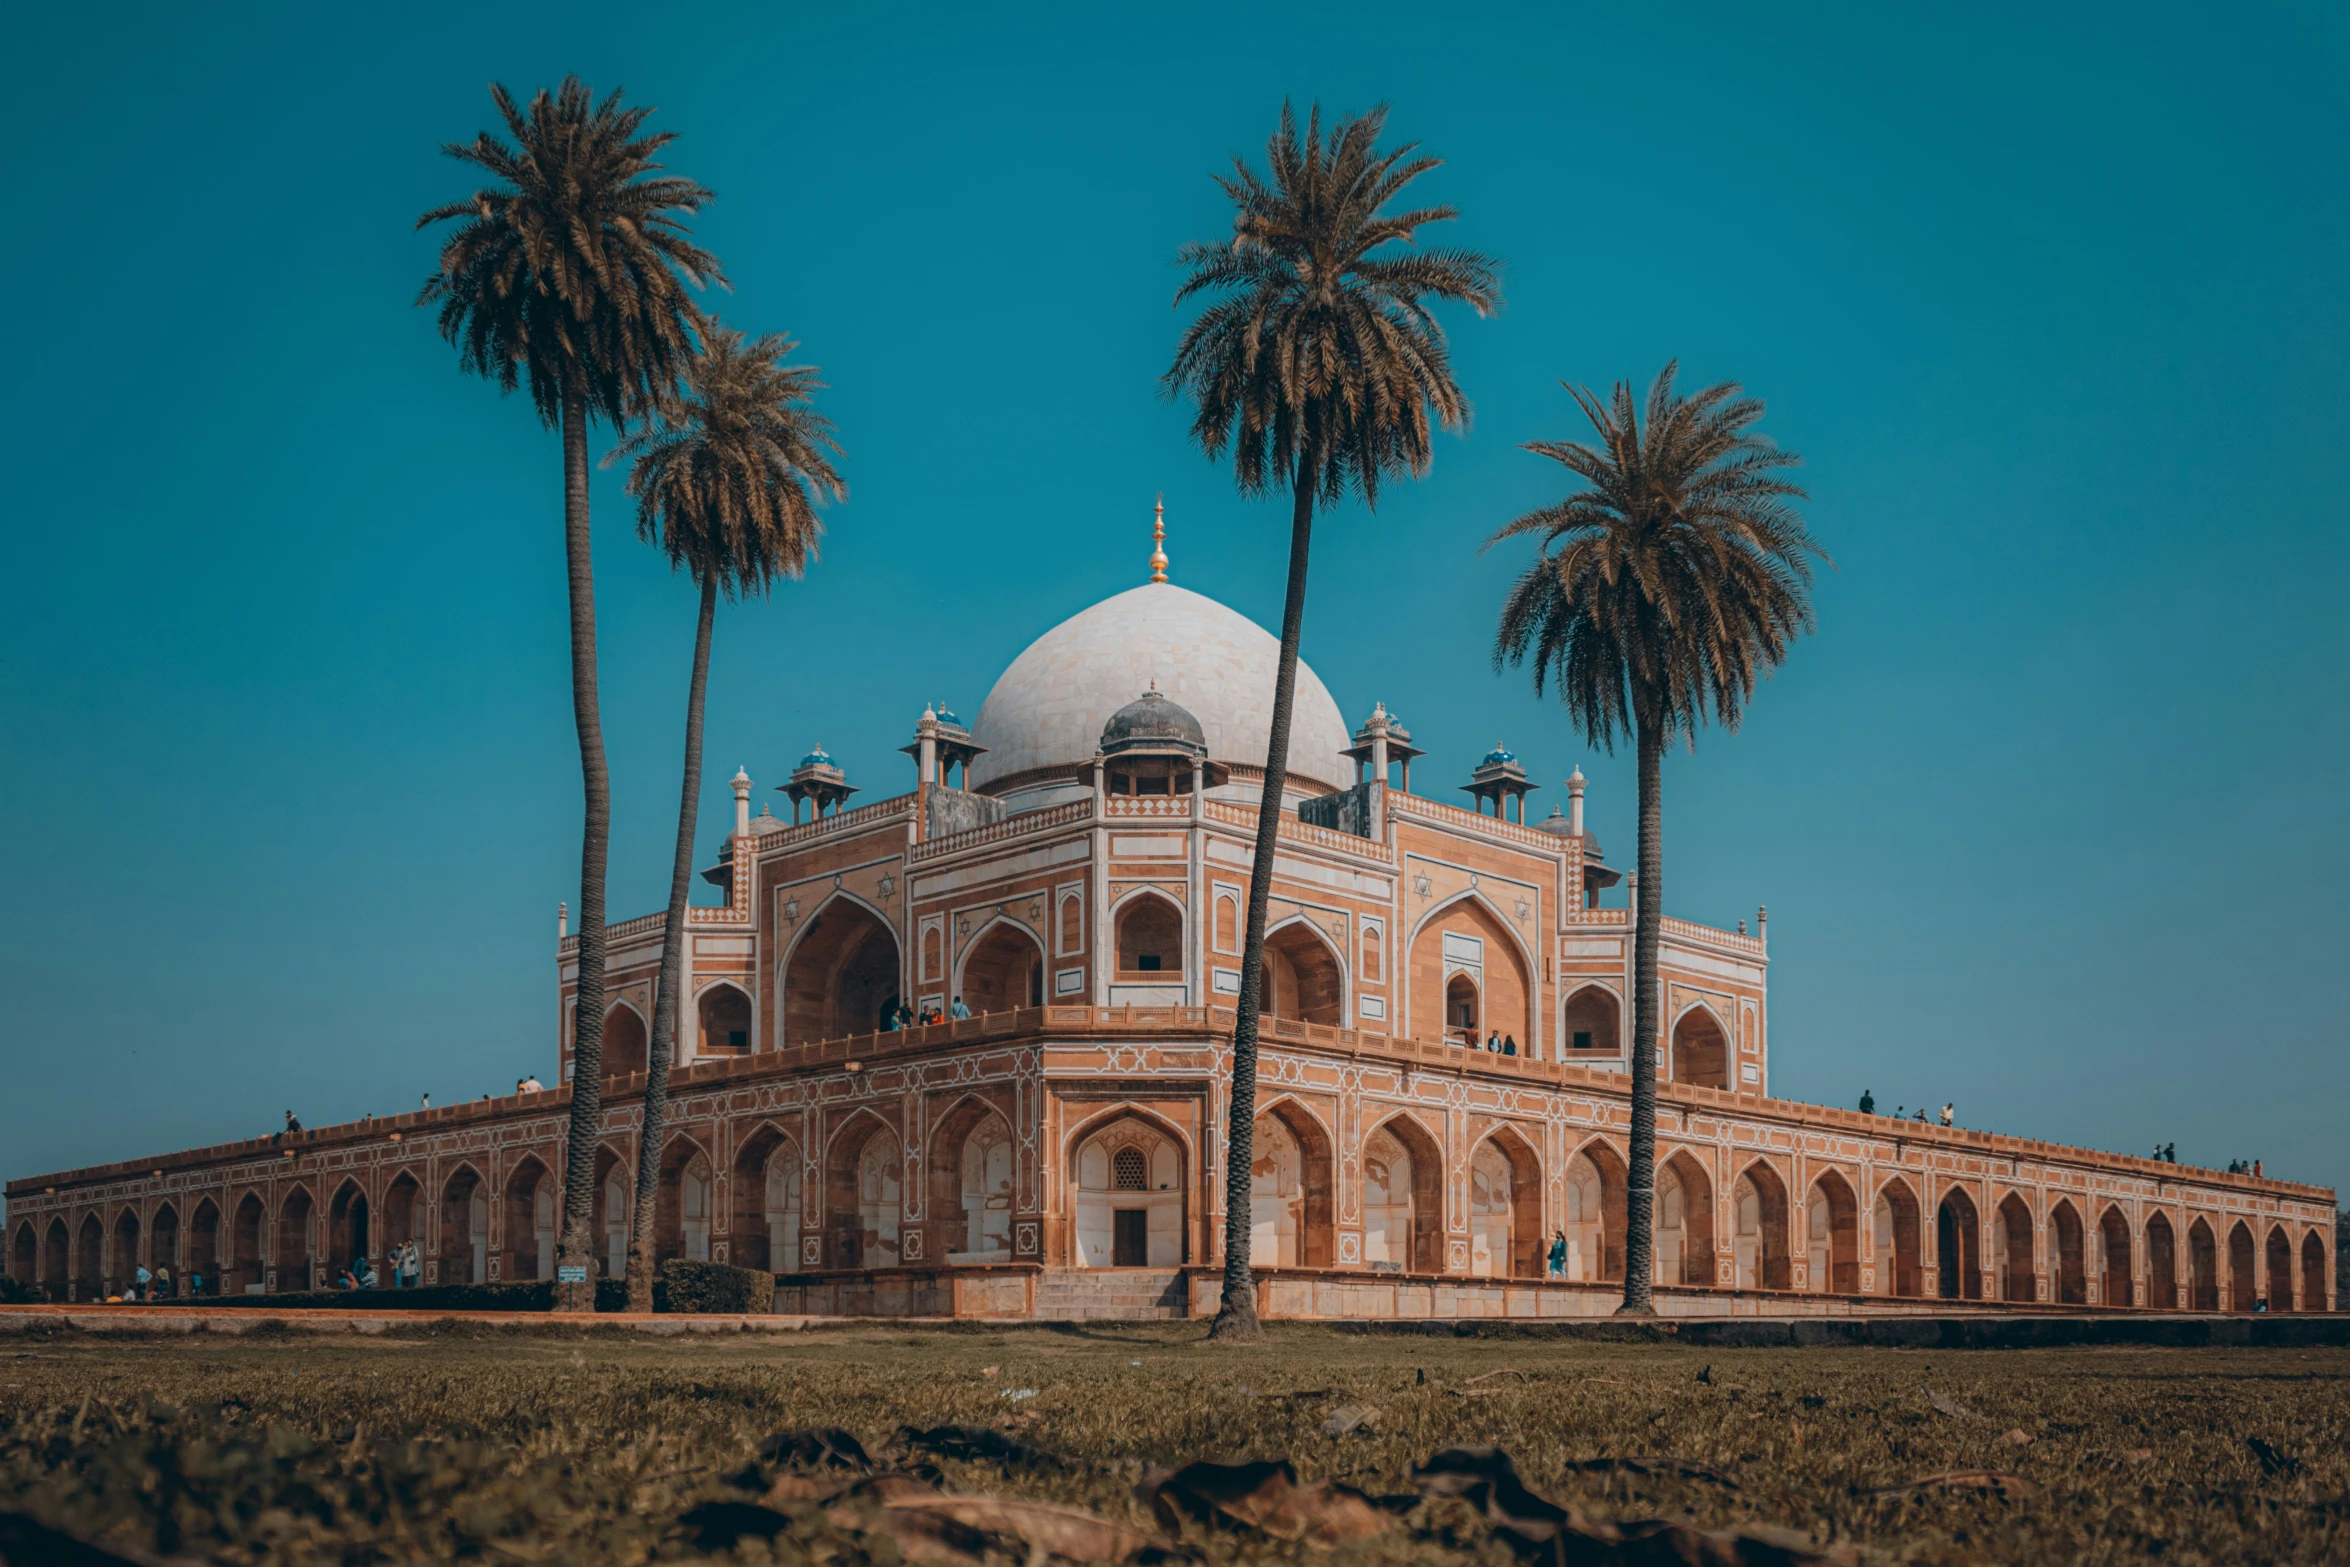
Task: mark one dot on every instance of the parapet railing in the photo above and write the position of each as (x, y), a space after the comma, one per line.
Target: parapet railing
(1049, 819)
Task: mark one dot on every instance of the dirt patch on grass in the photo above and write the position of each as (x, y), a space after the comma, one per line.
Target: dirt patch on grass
(597, 1447)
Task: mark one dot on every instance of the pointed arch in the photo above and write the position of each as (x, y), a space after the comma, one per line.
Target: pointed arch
(611, 1207)
(839, 972)
(723, 1025)
(1292, 1184)
(2013, 1264)
(123, 1263)
(1129, 1185)
(24, 1254)
(2280, 1269)
(1597, 1211)
(1403, 1197)
(2113, 1231)
(1683, 1222)
(1150, 936)
(1701, 1049)
(971, 1170)
(297, 1214)
(1305, 974)
(1505, 1206)
(1958, 1246)
(1441, 945)
(246, 1275)
(531, 1219)
(2162, 1263)
(1758, 1228)
(89, 1281)
(627, 1041)
(57, 1261)
(2313, 1272)
(2243, 1279)
(2068, 1252)
(1001, 968)
(203, 1271)
(1832, 1235)
(685, 1187)
(1899, 1243)
(864, 1191)
(1592, 1022)
(163, 1246)
(2202, 1266)
(349, 1230)
(465, 1225)
(767, 1196)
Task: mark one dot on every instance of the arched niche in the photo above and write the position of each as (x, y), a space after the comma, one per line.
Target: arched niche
(972, 1166)
(1832, 1236)
(531, 1212)
(1003, 969)
(1597, 1213)
(1701, 1049)
(465, 1227)
(1465, 937)
(1403, 1199)
(1291, 1219)
(1758, 1229)
(1682, 1224)
(2243, 1284)
(1128, 1181)
(57, 1262)
(350, 1231)
(841, 971)
(2280, 1270)
(1464, 1010)
(1150, 938)
(2011, 1250)
(722, 1017)
(767, 1201)
(2162, 1264)
(1303, 980)
(2202, 1267)
(682, 1204)
(2313, 1272)
(2070, 1254)
(1592, 1023)
(1894, 1231)
(204, 1249)
(2113, 1244)
(163, 1244)
(864, 1193)
(1958, 1247)
(1505, 1208)
(245, 1271)
(611, 1207)
(296, 1213)
(24, 1254)
(90, 1259)
(122, 1275)
(627, 1042)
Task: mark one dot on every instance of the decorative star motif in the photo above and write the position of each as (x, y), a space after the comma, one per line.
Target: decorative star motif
(791, 909)
(1524, 908)
(1420, 885)
(889, 887)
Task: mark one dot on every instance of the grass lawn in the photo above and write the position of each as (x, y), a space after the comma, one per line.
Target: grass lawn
(504, 1445)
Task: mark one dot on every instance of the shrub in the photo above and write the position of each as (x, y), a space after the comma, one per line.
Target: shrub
(13, 1293)
(703, 1287)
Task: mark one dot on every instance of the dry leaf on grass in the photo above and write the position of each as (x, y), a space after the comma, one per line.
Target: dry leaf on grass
(1348, 1418)
(2016, 1437)
(1950, 1407)
(1263, 1495)
(2007, 1487)
(1506, 1371)
(1537, 1527)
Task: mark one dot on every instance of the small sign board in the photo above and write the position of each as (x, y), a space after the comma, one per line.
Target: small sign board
(571, 1273)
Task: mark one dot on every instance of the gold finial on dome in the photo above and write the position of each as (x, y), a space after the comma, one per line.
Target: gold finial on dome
(1159, 542)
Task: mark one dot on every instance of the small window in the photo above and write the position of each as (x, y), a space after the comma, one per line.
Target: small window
(1582, 1039)
(1132, 1172)
(1146, 962)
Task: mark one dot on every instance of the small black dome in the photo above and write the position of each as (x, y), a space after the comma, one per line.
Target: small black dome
(1558, 825)
(1152, 723)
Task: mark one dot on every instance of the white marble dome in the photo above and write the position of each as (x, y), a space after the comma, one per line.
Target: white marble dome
(1048, 709)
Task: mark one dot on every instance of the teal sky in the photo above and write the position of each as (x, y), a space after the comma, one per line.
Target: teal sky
(2049, 815)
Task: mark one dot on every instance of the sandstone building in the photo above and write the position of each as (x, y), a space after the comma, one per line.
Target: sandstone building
(1071, 870)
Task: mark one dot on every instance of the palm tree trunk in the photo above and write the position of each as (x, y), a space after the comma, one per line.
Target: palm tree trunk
(665, 1002)
(1648, 927)
(1237, 1317)
(574, 1245)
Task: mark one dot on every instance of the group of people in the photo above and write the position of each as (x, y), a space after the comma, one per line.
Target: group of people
(402, 1261)
(529, 1083)
(2240, 1167)
(896, 1015)
(1495, 1043)
(1948, 1115)
(150, 1287)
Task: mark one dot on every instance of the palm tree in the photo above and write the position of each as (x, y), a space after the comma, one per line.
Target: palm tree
(569, 271)
(1319, 362)
(1664, 588)
(722, 482)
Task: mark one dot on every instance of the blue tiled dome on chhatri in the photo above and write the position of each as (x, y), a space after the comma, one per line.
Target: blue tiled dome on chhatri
(818, 758)
(1498, 755)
